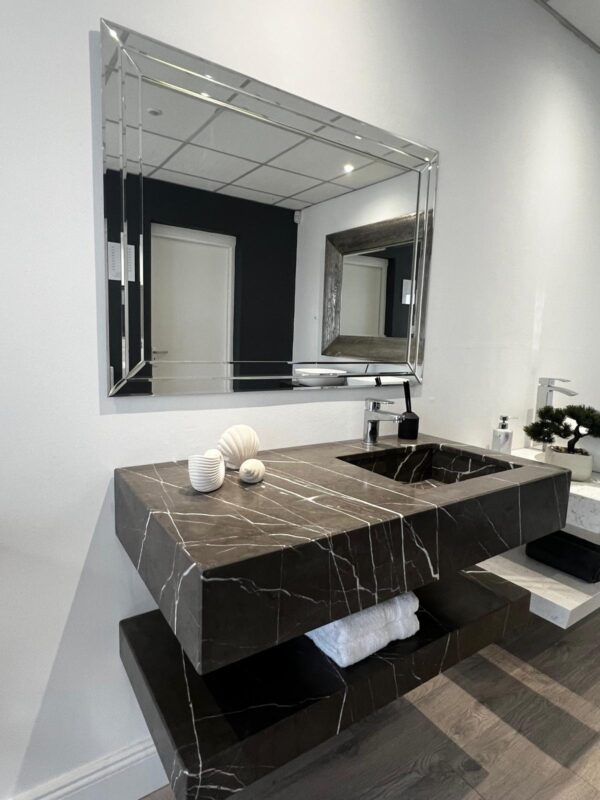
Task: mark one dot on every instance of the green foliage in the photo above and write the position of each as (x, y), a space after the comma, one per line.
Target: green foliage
(551, 423)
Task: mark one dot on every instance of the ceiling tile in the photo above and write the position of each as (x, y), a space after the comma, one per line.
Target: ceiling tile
(373, 173)
(268, 179)
(155, 149)
(354, 140)
(182, 179)
(205, 163)
(319, 160)
(296, 105)
(250, 194)
(181, 115)
(297, 205)
(324, 191)
(277, 114)
(242, 136)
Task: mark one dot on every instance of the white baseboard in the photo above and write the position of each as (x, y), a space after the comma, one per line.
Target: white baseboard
(127, 774)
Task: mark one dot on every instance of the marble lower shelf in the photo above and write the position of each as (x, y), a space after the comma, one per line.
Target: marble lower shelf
(216, 734)
(555, 596)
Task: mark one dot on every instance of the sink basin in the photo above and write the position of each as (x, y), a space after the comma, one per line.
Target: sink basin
(430, 464)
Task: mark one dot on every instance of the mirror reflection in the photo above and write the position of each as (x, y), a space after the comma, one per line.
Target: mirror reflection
(219, 195)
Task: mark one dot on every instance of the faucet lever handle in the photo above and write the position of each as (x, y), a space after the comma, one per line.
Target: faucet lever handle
(375, 403)
(550, 381)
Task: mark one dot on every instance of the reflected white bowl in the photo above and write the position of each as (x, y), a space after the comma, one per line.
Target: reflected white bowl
(318, 376)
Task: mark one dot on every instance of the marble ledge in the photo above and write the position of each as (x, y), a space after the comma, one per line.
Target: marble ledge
(247, 568)
(218, 734)
(584, 498)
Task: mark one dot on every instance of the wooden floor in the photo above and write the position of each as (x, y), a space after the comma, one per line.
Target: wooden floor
(517, 722)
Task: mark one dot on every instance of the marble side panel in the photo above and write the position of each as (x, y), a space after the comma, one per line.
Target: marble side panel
(216, 734)
(245, 568)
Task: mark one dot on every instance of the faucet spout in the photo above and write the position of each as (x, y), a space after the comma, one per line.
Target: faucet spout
(546, 389)
(373, 416)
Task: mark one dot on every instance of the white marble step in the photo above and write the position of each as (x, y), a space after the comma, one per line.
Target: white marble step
(556, 596)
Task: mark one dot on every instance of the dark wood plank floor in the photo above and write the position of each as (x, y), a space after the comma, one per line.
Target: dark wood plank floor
(517, 722)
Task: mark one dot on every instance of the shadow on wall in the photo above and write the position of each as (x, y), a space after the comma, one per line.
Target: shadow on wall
(88, 709)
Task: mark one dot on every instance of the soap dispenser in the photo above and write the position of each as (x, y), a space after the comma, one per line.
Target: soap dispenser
(502, 436)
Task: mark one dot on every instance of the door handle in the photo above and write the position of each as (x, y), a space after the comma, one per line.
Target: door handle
(159, 352)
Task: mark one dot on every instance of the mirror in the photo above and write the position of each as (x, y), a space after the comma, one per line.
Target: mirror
(254, 240)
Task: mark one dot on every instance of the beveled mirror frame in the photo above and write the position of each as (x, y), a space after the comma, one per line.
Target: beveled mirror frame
(130, 54)
(404, 230)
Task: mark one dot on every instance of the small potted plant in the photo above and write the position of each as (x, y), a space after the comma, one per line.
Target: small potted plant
(571, 423)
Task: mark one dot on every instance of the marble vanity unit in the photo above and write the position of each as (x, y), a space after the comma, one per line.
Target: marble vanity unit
(219, 733)
(229, 686)
(555, 596)
(245, 568)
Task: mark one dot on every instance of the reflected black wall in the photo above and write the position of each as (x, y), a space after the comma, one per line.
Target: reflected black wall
(400, 263)
(397, 313)
(265, 266)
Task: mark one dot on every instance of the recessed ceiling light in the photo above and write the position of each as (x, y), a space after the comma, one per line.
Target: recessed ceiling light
(356, 136)
(348, 167)
(155, 112)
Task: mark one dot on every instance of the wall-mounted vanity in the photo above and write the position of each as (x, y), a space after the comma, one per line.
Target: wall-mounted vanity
(254, 239)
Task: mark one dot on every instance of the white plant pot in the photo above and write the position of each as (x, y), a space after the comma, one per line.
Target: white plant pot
(580, 465)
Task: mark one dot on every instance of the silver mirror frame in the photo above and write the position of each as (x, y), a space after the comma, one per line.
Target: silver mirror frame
(404, 230)
(129, 59)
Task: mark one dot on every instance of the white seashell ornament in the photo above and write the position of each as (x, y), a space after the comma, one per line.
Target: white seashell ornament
(238, 444)
(252, 471)
(207, 472)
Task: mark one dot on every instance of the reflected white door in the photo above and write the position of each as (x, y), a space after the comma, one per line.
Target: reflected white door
(192, 307)
(364, 283)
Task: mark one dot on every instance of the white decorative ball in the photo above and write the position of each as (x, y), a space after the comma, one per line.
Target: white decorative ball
(252, 471)
(207, 472)
(238, 444)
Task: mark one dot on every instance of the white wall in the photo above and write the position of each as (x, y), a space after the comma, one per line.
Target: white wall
(384, 200)
(509, 98)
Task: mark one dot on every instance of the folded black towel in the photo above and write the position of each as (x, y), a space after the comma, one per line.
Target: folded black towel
(568, 553)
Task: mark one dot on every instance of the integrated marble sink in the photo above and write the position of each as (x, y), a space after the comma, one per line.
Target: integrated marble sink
(431, 464)
(246, 568)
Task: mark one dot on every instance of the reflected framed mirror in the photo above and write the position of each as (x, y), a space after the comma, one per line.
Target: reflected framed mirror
(223, 199)
(370, 272)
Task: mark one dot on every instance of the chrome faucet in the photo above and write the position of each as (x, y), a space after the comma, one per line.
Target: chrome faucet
(546, 389)
(373, 416)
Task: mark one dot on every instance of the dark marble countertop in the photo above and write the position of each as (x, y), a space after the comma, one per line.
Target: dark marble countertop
(244, 568)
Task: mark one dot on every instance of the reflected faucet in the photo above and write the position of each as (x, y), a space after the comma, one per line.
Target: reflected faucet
(546, 389)
(373, 416)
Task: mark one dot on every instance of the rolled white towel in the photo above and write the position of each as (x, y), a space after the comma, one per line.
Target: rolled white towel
(356, 625)
(353, 638)
(350, 651)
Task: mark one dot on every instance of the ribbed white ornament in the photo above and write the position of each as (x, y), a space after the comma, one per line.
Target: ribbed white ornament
(252, 471)
(207, 472)
(238, 444)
